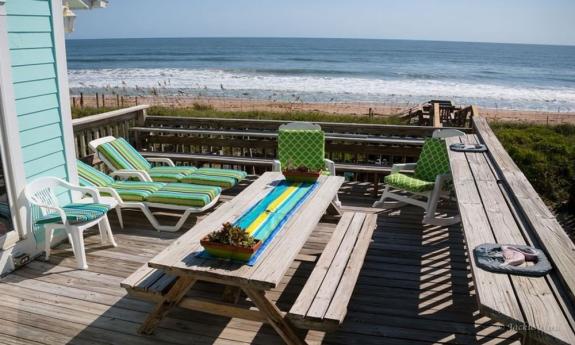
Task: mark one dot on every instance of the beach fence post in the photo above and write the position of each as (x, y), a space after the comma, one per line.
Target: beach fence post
(117, 100)
(436, 118)
(97, 100)
(74, 102)
(103, 100)
(82, 100)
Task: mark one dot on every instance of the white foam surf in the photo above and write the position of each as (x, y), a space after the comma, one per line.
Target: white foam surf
(320, 88)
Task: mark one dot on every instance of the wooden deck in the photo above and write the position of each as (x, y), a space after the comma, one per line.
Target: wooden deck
(415, 288)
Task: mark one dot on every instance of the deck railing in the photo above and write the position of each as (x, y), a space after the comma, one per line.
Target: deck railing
(116, 123)
(363, 152)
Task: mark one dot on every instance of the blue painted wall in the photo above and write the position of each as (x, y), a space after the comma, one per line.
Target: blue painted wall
(34, 73)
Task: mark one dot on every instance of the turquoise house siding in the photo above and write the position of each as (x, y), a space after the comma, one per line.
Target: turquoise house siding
(35, 77)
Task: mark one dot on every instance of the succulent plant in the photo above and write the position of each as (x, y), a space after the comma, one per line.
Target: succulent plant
(232, 235)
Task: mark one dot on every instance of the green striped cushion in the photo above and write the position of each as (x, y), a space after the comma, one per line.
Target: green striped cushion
(212, 191)
(76, 213)
(170, 174)
(166, 177)
(137, 161)
(184, 195)
(123, 156)
(237, 174)
(135, 190)
(210, 180)
(92, 177)
(173, 170)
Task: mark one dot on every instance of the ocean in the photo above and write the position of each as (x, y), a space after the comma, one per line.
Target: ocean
(402, 72)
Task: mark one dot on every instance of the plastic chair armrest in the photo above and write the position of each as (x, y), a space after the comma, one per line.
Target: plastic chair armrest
(405, 166)
(276, 165)
(330, 166)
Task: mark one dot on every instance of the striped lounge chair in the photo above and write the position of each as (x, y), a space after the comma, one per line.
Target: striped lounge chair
(126, 162)
(143, 195)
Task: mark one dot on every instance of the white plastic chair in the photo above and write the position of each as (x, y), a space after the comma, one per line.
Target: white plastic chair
(41, 193)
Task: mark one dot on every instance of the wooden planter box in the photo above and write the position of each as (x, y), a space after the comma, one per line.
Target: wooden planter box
(298, 176)
(226, 251)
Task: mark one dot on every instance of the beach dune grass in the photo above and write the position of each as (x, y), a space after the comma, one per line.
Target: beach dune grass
(546, 155)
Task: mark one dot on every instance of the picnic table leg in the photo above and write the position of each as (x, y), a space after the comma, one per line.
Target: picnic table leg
(231, 294)
(274, 316)
(333, 209)
(171, 299)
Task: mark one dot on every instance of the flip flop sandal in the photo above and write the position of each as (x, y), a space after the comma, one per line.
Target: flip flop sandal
(512, 257)
(460, 147)
(529, 253)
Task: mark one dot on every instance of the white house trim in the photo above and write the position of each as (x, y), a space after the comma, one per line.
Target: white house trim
(10, 139)
(64, 91)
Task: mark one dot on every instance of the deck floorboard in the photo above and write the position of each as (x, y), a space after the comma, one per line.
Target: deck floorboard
(415, 288)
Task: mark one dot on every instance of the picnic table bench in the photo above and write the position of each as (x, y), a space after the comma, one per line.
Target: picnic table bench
(498, 205)
(322, 303)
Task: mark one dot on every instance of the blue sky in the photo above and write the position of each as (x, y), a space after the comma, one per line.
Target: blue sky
(516, 21)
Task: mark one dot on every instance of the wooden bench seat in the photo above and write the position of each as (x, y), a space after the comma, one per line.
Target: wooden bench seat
(148, 283)
(536, 307)
(322, 303)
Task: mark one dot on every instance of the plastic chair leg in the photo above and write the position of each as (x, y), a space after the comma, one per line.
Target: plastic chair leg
(48, 232)
(381, 200)
(106, 231)
(120, 218)
(77, 241)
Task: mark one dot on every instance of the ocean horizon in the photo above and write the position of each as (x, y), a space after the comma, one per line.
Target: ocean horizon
(399, 72)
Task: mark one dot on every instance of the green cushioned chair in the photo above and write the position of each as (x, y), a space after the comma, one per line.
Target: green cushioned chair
(425, 184)
(143, 195)
(127, 163)
(303, 144)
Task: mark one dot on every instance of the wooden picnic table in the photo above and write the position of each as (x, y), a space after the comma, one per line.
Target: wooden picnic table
(180, 259)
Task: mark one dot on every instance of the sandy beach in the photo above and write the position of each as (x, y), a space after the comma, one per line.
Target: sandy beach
(355, 108)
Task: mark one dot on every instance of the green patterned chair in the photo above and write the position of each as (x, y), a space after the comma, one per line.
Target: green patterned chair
(127, 163)
(144, 195)
(303, 143)
(426, 182)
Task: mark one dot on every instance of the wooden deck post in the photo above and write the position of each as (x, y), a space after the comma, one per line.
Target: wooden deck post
(436, 116)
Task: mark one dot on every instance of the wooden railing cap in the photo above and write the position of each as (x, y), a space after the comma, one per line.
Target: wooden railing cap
(108, 115)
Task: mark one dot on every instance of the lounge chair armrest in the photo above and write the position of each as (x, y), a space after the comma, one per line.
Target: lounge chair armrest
(405, 166)
(90, 191)
(112, 192)
(166, 161)
(126, 174)
(276, 165)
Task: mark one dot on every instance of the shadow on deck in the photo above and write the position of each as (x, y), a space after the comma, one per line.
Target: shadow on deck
(415, 288)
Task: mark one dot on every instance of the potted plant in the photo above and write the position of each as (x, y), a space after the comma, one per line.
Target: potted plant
(231, 242)
(300, 173)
